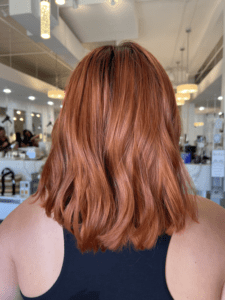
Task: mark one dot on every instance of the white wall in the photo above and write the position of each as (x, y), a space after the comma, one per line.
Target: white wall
(189, 117)
(200, 130)
(46, 111)
(206, 130)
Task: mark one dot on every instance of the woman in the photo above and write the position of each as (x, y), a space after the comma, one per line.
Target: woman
(115, 183)
(4, 141)
(29, 139)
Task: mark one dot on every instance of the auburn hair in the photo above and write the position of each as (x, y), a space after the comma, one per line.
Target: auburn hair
(114, 176)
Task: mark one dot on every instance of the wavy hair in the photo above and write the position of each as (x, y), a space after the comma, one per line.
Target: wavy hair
(114, 176)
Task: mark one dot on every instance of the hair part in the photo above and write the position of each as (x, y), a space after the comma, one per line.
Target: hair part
(114, 176)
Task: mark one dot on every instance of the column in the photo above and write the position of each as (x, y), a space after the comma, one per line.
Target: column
(29, 118)
(188, 119)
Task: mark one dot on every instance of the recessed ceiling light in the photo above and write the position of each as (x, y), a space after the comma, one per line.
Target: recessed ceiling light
(220, 113)
(18, 112)
(14, 118)
(7, 91)
(50, 103)
(21, 119)
(37, 115)
(201, 108)
(32, 98)
(220, 98)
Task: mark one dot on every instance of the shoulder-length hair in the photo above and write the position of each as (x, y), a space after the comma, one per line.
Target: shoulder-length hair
(114, 176)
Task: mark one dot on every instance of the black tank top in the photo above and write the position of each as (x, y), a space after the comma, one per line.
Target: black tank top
(128, 275)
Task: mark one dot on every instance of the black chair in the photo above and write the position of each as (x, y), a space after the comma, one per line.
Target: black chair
(6, 172)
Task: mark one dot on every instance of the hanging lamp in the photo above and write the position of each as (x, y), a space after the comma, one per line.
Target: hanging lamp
(187, 88)
(113, 3)
(45, 19)
(56, 93)
(180, 102)
(198, 124)
(181, 96)
(60, 2)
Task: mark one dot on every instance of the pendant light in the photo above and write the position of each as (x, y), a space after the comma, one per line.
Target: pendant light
(57, 93)
(198, 124)
(45, 19)
(60, 2)
(113, 3)
(180, 96)
(187, 88)
(180, 102)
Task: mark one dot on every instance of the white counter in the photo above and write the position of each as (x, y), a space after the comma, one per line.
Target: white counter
(8, 204)
(23, 167)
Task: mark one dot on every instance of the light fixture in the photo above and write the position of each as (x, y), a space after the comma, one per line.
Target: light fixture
(60, 2)
(50, 103)
(187, 88)
(32, 98)
(45, 19)
(113, 2)
(220, 113)
(37, 115)
(220, 98)
(198, 124)
(7, 91)
(32, 115)
(61, 106)
(180, 102)
(21, 119)
(180, 96)
(201, 108)
(18, 112)
(56, 94)
(14, 118)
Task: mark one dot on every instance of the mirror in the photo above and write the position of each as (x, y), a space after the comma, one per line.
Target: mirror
(37, 124)
(19, 120)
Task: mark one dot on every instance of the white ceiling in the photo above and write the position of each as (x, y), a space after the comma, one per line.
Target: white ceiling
(157, 25)
(208, 98)
(22, 93)
(161, 25)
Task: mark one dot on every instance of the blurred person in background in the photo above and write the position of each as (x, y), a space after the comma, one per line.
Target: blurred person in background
(29, 139)
(18, 141)
(4, 141)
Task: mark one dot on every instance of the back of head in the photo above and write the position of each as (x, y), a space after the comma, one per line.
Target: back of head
(115, 163)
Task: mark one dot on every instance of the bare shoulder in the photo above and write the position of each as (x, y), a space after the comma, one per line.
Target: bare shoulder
(197, 255)
(25, 220)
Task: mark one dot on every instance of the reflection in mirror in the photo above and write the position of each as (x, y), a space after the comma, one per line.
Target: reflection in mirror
(37, 124)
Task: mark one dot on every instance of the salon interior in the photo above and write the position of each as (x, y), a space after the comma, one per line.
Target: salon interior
(41, 42)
